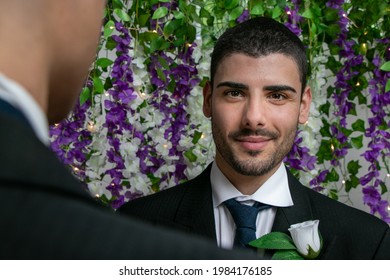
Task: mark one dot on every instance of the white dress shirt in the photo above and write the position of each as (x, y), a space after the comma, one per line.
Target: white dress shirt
(274, 191)
(17, 96)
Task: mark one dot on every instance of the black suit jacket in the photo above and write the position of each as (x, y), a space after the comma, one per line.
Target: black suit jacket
(46, 214)
(347, 233)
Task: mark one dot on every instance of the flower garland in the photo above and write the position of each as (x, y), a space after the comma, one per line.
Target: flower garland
(139, 127)
(379, 145)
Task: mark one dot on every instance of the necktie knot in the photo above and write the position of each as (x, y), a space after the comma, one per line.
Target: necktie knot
(244, 217)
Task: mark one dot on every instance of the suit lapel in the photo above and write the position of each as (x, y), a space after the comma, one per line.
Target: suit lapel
(195, 211)
(301, 211)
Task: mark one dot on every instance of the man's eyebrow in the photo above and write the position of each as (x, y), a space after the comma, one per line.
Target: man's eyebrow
(280, 88)
(233, 85)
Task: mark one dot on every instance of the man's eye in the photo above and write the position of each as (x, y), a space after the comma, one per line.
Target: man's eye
(277, 96)
(233, 93)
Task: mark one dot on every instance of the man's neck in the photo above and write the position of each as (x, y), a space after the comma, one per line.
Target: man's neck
(245, 184)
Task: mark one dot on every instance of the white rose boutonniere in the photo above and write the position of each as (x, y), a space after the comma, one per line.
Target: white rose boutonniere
(306, 242)
(306, 238)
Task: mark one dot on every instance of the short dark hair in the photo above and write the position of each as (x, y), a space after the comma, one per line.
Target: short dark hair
(260, 36)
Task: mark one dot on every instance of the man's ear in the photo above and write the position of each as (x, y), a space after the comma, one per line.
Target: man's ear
(207, 94)
(304, 109)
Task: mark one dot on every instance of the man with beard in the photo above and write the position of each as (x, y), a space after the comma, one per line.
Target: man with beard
(256, 98)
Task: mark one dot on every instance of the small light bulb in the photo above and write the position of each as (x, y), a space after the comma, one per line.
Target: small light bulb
(91, 127)
(288, 12)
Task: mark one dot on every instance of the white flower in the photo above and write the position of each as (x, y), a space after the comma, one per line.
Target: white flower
(306, 238)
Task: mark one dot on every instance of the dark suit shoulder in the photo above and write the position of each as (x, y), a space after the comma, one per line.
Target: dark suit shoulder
(161, 205)
(359, 235)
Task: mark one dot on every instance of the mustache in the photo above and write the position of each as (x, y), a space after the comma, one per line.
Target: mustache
(258, 132)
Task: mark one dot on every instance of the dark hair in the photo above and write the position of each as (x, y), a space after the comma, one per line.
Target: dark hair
(258, 37)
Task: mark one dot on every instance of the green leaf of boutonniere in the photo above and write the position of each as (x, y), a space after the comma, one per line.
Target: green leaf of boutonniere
(287, 255)
(274, 240)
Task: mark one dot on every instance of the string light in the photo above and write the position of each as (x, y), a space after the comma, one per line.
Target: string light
(91, 126)
(143, 95)
(288, 12)
(357, 84)
(75, 169)
(332, 147)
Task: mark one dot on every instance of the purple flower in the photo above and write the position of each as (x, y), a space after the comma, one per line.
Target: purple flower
(243, 17)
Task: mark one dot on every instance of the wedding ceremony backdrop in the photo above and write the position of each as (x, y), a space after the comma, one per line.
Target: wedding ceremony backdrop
(138, 127)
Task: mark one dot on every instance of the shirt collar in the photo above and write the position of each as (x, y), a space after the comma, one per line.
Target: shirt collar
(275, 191)
(18, 96)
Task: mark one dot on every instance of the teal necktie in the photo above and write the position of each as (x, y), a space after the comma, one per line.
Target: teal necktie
(244, 217)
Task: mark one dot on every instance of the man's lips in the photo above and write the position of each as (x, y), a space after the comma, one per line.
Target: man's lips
(253, 142)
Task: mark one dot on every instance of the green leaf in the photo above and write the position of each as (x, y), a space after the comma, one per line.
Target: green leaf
(351, 183)
(171, 26)
(109, 28)
(257, 10)
(230, 4)
(190, 156)
(85, 95)
(276, 12)
(98, 85)
(387, 86)
(333, 193)
(386, 66)
(353, 167)
(333, 176)
(160, 13)
(197, 136)
(235, 13)
(143, 20)
(287, 255)
(104, 62)
(324, 108)
(161, 74)
(357, 142)
(163, 62)
(274, 240)
(308, 14)
(117, 3)
(122, 15)
(383, 188)
(359, 126)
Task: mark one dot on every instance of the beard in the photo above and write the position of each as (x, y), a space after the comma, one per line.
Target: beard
(253, 166)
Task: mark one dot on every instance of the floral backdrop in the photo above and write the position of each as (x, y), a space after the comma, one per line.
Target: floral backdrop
(138, 127)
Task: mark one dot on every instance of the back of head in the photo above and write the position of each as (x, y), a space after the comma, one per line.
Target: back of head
(260, 36)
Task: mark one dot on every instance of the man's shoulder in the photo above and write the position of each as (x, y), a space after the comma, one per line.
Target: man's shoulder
(337, 210)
